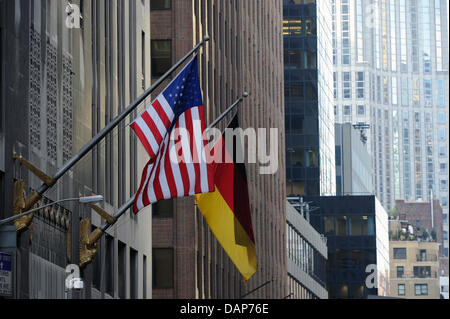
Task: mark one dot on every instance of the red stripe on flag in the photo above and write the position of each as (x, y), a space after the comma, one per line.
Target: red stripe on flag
(190, 129)
(210, 168)
(162, 114)
(156, 182)
(169, 174)
(152, 126)
(143, 180)
(181, 161)
(143, 139)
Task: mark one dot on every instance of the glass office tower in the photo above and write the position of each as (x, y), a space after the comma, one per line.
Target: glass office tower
(391, 71)
(357, 234)
(310, 168)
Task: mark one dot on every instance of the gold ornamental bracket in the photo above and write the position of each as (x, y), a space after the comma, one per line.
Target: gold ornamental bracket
(36, 171)
(88, 242)
(19, 206)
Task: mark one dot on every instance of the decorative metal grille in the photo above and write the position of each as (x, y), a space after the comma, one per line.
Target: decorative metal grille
(52, 93)
(67, 103)
(35, 90)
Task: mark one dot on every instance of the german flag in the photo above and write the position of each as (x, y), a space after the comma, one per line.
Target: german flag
(227, 210)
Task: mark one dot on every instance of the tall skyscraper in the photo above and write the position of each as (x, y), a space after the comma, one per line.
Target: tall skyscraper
(310, 165)
(391, 71)
(244, 53)
(67, 70)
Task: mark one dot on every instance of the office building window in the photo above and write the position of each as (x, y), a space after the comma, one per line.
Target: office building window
(442, 151)
(347, 110)
(133, 274)
(405, 91)
(440, 101)
(441, 119)
(144, 277)
(442, 134)
(401, 289)
(360, 92)
(122, 264)
(428, 93)
(335, 85)
(161, 56)
(346, 85)
(160, 4)
(399, 253)
(162, 268)
(421, 289)
(444, 184)
(361, 110)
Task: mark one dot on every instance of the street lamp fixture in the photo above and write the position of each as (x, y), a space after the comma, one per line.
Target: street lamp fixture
(82, 200)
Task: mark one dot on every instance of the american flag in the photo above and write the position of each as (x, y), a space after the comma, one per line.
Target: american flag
(171, 130)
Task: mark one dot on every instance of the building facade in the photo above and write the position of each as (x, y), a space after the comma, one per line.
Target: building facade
(310, 167)
(356, 228)
(244, 53)
(353, 162)
(307, 256)
(66, 71)
(391, 72)
(414, 269)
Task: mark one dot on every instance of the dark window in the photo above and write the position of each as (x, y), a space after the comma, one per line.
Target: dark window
(399, 253)
(400, 271)
(133, 274)
(161, 56)
(144, 277)
(160, 4)
(122, 269)
(401, 289)
(162, 268)
(163, 209)
(422, 271)
(338, 155)
(109, 265)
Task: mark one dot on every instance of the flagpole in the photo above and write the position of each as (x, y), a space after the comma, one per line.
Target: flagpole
(108, 128)
(130, 202)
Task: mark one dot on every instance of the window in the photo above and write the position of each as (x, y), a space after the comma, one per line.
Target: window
(160, 4)
(356, 225)
(361, 110)
(163, 209)
(441, 118)
(122, 264)
(421, 289)
(341, 226)
(399, 253)
(422, 271)
(400, 271)
(346, 85)
(401, 289)
(161, 56)
(133, 274)
(443, 151)
(360, 85)
(347, 110)
(428, 92)
(162, 268)
(144, 277)
(442, 134)
(329, 225)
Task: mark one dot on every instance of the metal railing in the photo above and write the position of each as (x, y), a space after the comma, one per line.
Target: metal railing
(426, 257)
(411, 275)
